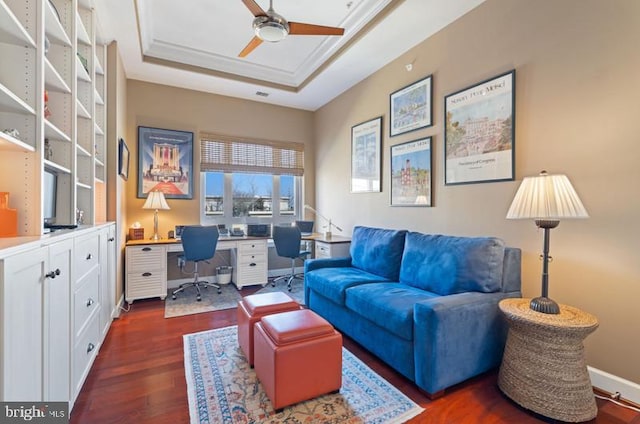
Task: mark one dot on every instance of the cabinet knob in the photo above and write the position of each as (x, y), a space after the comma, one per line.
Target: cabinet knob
(90, 347)
(146, 274)
(252, 264)
(89, 302)
(146, 249)
(53, 274)
(89, 256)
(111, 238)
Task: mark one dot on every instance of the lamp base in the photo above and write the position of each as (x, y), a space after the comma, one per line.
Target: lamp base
(544, 305)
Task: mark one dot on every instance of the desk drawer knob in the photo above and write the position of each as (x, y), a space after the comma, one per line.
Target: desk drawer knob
(90, 302)
(90, 347)
(252, 264)
(147, 274)
(146, 249)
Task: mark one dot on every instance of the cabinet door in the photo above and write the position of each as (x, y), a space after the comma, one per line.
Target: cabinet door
(57, 338)
(22, 332)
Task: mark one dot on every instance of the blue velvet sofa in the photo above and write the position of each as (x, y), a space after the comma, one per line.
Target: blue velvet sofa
(427, 305)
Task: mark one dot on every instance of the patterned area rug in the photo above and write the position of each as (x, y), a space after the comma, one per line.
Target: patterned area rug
(186, 303)
(222, 388)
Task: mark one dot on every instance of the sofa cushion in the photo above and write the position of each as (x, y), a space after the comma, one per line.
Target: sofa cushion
(332, 282)
(448, 265)
(389, 305)
(378, 251)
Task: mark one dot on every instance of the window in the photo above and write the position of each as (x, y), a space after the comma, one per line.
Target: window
(247, 181)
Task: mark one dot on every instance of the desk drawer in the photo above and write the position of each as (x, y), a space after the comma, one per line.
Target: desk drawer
(146, 258)
(146, 284)
(85, 300)
(85, 254)
(252, 246)
(248, 259)
(252, 274)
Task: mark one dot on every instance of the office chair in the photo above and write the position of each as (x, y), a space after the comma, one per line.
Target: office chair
(287, 240)
(199, 244)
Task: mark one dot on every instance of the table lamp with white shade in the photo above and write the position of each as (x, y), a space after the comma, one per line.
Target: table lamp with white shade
(546, 199)
(155, 200)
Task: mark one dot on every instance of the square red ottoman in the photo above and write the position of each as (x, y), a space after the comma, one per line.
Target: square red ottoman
(297, 356)
(252, 308)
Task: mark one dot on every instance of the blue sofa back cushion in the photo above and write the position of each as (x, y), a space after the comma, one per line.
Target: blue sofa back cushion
(448, 265)
(378, 251)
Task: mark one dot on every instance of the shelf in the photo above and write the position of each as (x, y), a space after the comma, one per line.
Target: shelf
(99, 162)
(83, 75)
(52, 79)
(12, 144)
(99, 100)
(99, 180)
(54, 133)
(82, 151)
(9, 102)
(82, 111)
(99, 69)
(83, 185)
(11, 30)
(99, 130)
(56, 167)
(83, 35)
(53, 27)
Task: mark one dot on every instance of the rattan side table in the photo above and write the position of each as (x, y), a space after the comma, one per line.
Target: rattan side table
(543, 368)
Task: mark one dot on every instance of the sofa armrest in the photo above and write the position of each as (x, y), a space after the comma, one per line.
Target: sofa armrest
(457, 337)
(311, 264)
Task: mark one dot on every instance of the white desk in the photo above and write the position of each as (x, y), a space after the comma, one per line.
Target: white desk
(146, 261)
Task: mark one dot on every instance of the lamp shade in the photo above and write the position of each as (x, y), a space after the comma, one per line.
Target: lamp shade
(155, 200)
(546, 197)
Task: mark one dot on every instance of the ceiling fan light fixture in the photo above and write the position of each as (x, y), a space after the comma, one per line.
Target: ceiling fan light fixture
(272, 28)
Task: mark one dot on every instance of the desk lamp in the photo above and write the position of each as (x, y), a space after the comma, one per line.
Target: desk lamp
(327, 234)
(155, 200)
(546, 199)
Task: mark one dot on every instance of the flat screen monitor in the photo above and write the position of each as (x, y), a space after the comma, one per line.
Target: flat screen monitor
(306, 227)
(49, 188)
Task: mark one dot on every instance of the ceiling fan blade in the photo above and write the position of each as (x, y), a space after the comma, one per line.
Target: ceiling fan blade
(310, 29)
(254, 8)
(255, 42)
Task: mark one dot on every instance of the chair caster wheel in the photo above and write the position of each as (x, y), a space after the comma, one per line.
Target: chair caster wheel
(199, 298)
(173, 296)
(219, 291)
(289, 289)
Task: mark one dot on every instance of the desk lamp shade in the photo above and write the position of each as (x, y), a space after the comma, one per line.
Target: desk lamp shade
(546, 199)
(155, 200)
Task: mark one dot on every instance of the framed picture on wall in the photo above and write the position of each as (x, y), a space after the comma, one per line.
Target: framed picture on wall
(411, 173)
(123, 159)
(410, 107)
(165, 162)
(480, 132)
(366, 156)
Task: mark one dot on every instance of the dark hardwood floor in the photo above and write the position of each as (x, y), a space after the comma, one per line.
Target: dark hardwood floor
(138, 377)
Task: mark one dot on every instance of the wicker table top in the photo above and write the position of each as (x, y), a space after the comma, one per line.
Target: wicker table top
(569, 317)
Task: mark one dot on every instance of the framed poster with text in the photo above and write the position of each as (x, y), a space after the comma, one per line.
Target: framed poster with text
(366, 158)
(411, 173)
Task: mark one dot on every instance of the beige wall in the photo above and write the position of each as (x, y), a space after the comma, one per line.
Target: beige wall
(577, 84)
(116, 129)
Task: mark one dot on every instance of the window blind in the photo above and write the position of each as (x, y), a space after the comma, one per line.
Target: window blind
(231, 154)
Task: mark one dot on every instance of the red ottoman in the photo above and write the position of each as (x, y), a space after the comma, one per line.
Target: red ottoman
(252, 308)
(297, 356)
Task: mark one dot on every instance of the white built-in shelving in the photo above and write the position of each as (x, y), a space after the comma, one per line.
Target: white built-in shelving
(53, 88)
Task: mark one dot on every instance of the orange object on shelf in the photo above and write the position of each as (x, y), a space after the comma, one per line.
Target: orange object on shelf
(8, 217)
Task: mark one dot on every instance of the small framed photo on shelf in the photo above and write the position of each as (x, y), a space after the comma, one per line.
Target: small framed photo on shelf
(411, 173)
(366, 156)
(165, 162)
(479, 132)
(123, 159)
(410, 107)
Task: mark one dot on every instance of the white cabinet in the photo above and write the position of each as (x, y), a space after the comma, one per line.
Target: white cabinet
(146, 272)
(330, 249)
(35, 342)
(107, 246)
(250, 264)
(51, 326)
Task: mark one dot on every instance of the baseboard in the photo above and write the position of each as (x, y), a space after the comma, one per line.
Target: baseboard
(612, 384)
(284, 271)
(119, 307)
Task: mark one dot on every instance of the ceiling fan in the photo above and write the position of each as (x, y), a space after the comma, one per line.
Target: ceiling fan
(270, 26)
